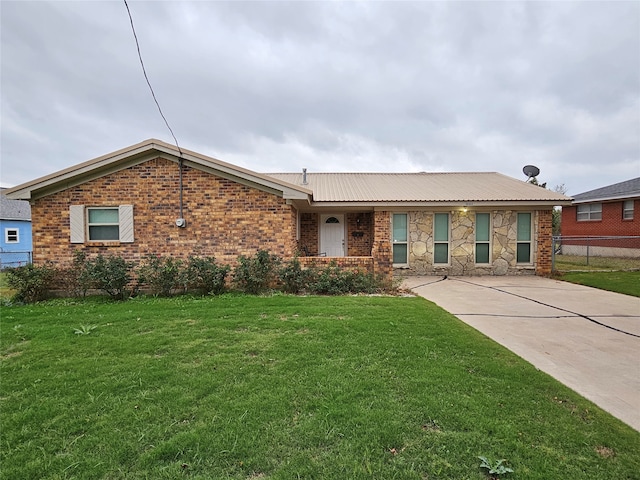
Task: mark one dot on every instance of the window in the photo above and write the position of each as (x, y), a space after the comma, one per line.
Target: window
(11, 235)
(400, 236)
(627, 210)
(441, 238)
(523, 248)
(590, 211)
(482, 237)
(101, 224)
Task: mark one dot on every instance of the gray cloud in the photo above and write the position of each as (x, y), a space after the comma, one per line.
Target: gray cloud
(349, 86)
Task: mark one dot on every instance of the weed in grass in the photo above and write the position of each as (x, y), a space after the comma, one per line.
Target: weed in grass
(84, 329)
(494, 469)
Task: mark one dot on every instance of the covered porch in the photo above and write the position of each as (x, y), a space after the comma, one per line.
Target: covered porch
(354, 240)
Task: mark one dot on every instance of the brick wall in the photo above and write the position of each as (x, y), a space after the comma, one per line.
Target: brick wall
(348, 263)
(359, 234)
(544, 242)
(381, 249)
(224, 218)
(611, 224)
(309, 232)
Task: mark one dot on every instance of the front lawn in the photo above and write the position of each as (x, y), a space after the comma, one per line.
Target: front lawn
(5, 292)
(621, 282)
(284, 387)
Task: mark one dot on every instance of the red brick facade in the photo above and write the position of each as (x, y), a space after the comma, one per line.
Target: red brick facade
(612, 223)
(224, 218)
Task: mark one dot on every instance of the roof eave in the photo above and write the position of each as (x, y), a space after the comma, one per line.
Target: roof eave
(140, 153)
(445, 204)
(613, 198)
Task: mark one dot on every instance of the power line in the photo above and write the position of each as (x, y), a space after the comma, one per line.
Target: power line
(144, 71)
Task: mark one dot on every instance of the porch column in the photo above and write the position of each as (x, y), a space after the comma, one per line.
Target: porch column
(544, 242)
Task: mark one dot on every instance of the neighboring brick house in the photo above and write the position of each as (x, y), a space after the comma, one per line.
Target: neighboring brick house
(15, 232)
(152, 198)
(611, 211)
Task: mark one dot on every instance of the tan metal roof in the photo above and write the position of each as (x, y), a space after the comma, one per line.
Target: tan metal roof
(421, 187)
(321, 189)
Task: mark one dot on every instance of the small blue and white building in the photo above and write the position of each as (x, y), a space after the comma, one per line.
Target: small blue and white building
(15, 233)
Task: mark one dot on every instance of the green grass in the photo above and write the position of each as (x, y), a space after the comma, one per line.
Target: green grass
(621, 282)
(5, 291)
(284, 387)
(566, 263)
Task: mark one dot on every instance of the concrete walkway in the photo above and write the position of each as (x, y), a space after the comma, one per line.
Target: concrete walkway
(586, 338)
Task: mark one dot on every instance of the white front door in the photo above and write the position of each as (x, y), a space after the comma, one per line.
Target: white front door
(332, 235)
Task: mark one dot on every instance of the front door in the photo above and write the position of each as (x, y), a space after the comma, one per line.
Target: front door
(332, 235)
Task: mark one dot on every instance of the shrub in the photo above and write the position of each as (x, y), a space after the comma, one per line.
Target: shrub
(110, 274)
(294, 278)
(205, 275)
(76, 279)
(256, 274)
(333, 280)
(31, 282)
(162, 274)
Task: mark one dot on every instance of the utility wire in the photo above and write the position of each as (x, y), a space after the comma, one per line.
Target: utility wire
(147, 78)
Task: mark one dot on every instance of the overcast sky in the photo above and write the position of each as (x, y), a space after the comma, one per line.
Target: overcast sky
(330, 86)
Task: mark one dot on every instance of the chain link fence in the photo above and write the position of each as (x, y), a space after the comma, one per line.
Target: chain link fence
(14, 259)
(613, 253)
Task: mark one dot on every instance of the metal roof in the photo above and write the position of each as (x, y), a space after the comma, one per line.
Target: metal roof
(14, 209)
(355, 189)
(421, 187)
(616, 191)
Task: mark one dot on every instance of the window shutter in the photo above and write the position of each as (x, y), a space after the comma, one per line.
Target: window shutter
(76, 223)
(126, 223)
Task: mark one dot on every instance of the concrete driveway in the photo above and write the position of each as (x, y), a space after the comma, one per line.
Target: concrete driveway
(586, 338)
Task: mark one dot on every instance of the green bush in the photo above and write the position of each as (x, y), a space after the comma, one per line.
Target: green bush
(76, 279)
(110, 274)
(31, 282)
(162, 275)
(205, 275)
(294, 278)
(256, 274)
(333, 280)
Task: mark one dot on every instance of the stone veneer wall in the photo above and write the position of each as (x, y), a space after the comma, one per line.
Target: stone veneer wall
(224, 218)
(462, 244)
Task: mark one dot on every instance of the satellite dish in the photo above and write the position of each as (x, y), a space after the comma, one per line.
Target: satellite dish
(531, 171)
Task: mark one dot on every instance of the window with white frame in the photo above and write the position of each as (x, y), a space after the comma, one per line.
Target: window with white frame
(441, 238)
(101, 224)
(523, 241)
(627, 210)
(400, 239)
(11, 235)
(483, 228)
(589, 212)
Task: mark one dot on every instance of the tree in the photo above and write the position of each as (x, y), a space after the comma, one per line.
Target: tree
(557, 211)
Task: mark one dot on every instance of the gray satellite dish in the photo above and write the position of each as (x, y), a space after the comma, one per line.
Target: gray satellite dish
(531, 171)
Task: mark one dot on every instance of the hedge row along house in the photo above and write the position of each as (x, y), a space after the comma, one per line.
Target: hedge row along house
(152, 198)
